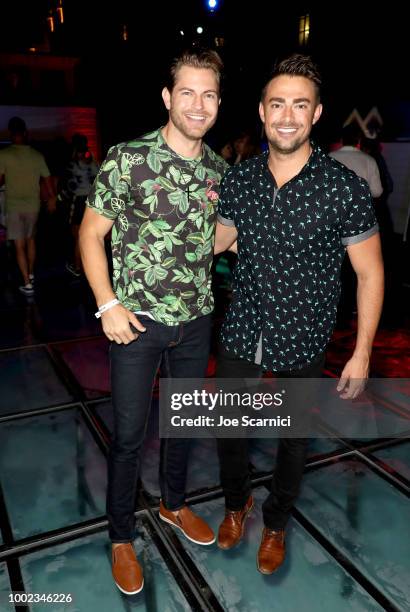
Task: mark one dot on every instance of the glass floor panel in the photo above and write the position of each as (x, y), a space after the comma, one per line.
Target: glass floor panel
(83, 568)
(364, 420)
(28, 381)
(52, 472)
(66, 321)
(262, 451)
(5, 588)
(365, 517)
(16, 329)
(397, 456)
(310, 579)
(103, 409)
(395, 391)
(390, 354)
(203, 451)
(88, 361)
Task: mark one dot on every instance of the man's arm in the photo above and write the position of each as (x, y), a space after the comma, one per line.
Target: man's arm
(1, 180)
(375, 183)
(225, 237)
(115, 321)
(50, 190)
(367, 262)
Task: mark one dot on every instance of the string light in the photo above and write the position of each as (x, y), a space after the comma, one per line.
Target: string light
(50, 22)
(60, 11)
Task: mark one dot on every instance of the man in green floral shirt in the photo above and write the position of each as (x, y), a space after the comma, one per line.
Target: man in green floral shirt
(158, 195)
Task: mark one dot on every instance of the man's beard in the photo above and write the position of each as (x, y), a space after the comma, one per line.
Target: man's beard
(191, 134)
(290, 147)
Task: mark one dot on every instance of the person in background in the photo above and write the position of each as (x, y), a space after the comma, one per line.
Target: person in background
(360, 162)
(372, 147)
(22, 169)
(76, 183)
(245, 145)
(226, 152)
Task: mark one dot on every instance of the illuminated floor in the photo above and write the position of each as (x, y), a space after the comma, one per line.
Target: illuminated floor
(348, 540)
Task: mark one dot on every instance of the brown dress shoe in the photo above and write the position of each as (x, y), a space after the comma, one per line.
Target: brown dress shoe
(271, 552)
(192, 526)
(231, 529)
(126, 570)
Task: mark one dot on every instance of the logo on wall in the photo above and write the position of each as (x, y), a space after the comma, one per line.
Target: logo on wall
(370, 126)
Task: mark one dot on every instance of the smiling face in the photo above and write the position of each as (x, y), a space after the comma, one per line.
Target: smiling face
(288, 110)
(193, 102)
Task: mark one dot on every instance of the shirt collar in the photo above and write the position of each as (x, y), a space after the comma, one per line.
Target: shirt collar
(316, 157)
(161, 144)
(348, 148)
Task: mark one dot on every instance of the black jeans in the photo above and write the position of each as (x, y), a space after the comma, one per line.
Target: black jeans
(184, 351)
(290, 460)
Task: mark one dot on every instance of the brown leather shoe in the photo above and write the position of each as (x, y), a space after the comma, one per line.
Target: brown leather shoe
(126, 570)
(271, 552)
(192, 526)
(231, 529)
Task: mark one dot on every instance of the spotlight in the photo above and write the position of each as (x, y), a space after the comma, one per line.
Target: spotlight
(212, 4)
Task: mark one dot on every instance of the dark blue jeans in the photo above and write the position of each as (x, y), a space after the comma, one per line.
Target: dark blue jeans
(183, 350)
(290, 460)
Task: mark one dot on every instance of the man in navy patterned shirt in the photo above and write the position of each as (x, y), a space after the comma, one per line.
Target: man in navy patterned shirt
(294, 212)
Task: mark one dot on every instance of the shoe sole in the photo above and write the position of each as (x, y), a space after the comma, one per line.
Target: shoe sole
(243, 529)
(163, 518)
(130, 592)
(267, 573)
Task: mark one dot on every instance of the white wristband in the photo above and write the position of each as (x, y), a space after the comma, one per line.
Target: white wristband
(105, 307)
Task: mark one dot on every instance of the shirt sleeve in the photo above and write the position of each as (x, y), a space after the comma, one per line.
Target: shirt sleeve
(375, 183)
(109, 192)
(225, 213)
(358, 220)
(2, 165)
(43, 168)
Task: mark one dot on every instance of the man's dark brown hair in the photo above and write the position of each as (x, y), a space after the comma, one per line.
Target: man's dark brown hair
(297, 65)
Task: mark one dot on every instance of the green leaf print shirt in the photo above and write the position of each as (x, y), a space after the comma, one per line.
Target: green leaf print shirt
(164, 211)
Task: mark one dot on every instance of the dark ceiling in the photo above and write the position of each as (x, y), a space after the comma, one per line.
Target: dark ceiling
(360, 47)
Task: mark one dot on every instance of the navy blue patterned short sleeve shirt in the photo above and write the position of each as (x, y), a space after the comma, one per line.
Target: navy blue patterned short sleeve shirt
(291, 244)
